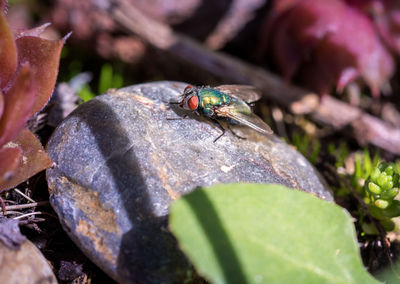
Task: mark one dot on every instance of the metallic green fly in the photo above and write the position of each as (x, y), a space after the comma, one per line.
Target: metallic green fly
(225, 102)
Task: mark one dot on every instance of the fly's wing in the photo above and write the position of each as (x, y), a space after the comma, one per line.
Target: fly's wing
(246, 93)
(243, 115)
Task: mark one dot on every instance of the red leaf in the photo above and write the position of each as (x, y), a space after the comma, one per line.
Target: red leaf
(10, 159)
(3, 6)
(283, 5)
(1, 104)
(8, 53)
(18, 103)
(36, 32)
(43, 55)
(34, 158)
(326, 43)
(384, 13)
(387, 19)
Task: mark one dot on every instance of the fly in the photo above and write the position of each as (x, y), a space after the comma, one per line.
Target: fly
(226, 102)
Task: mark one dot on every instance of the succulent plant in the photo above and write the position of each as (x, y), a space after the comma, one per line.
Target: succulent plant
(326, 43)
(382, 186)
(29, 67)
(380, 190)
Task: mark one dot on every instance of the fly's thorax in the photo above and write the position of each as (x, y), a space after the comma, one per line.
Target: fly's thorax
(210, 98)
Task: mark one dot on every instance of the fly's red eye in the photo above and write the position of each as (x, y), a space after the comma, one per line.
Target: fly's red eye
(193, 103)
(187, 88)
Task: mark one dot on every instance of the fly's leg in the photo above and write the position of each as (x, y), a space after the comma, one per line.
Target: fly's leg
(170, 104)
(178, 118)
(220, 127)
(235, 134)
(216, 122)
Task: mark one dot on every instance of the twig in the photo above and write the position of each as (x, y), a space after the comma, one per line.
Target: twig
(239, 14)
(330, 111)
(277, 115)
(3, 205)
(32, 213)
(10, 201)
(29, 205)
(219, 64)
(10, 212)
(366, 128)
(23, 194)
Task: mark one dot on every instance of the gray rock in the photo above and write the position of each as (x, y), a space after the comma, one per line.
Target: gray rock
(119, 163)
(24, 265)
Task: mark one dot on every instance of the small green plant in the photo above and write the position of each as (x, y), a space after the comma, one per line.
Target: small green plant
(340, 153)
(109, 78)
(379, 193)
(376, 182)
(382, 186)
(363, 167)
(308, 146)
(86, 93)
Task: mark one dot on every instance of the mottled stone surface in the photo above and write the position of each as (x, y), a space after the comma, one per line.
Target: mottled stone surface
(119, 163)
(25, 265)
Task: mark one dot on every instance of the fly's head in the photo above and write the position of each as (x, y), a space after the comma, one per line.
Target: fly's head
(190, 98)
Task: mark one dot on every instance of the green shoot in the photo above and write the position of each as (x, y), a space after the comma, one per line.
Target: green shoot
(109, 79)
(309, 147)
(86, 93)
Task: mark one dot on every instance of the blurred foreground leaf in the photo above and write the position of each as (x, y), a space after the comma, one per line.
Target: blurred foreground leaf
(390, 275)
(247, 233)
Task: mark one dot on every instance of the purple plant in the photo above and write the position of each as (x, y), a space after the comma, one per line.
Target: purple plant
(326, 43)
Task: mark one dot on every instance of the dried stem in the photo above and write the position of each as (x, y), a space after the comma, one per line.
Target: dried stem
(33, 213)
(10, 212)
(24, 195)
(29, 205)
(329, 111)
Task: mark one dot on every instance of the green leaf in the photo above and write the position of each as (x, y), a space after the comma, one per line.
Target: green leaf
(367, 164)
(248, 233)
(390, 275)
(109, 79)
(85, 93)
